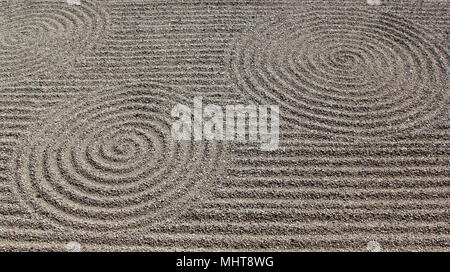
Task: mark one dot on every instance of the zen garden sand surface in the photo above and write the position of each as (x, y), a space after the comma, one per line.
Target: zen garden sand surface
(88, 162)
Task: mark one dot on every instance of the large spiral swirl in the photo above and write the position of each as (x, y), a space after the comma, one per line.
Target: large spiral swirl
(108, 161)
(43, 36)
(348, 73)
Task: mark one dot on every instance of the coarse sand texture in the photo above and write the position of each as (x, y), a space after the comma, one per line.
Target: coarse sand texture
(89, 161)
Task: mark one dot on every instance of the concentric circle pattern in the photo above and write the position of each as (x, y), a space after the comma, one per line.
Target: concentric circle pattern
(109, 162)
(39, 36)
(348, 73)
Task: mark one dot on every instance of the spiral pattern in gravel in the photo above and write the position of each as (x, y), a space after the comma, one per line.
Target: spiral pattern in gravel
(109, 162)
(44, 36)
(348, 73)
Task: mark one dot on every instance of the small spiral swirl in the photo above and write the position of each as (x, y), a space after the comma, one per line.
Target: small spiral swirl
(46, 36)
